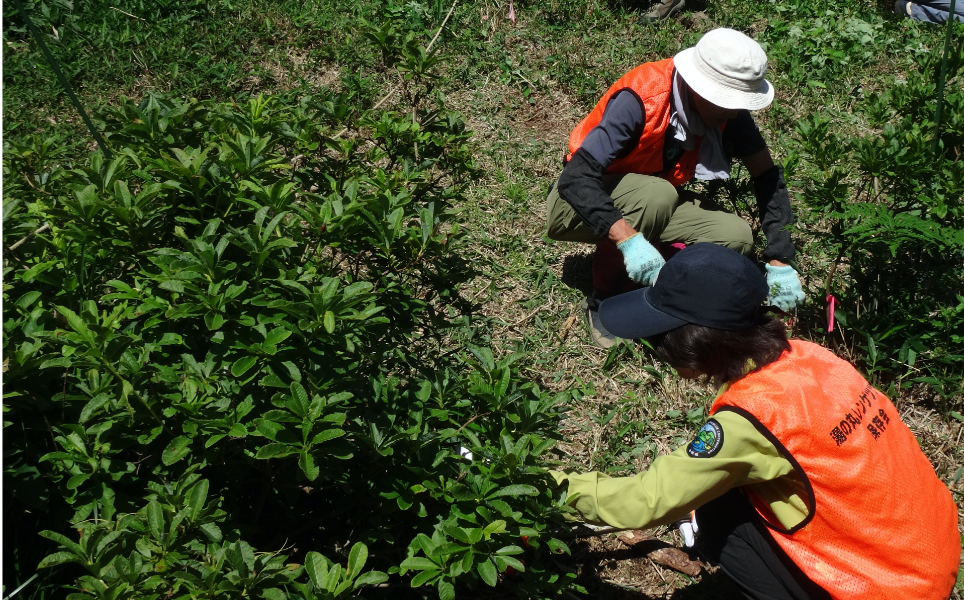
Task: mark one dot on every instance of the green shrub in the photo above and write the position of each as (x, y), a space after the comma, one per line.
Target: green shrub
(245, 331)
(895, 211)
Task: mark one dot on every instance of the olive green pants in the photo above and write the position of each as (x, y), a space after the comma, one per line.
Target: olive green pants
(654, 208)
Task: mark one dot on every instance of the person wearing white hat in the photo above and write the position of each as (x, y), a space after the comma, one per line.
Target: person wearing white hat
(657, 127)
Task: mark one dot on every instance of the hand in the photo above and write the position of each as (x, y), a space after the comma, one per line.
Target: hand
(643, 262)
(785, 289)
(621, 231)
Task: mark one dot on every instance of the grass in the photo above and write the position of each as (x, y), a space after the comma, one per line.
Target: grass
(522, 87)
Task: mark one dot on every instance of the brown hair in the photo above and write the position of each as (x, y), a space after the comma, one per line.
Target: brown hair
(721, 354)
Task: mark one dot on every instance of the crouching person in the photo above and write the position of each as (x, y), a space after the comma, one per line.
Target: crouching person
(805, 481)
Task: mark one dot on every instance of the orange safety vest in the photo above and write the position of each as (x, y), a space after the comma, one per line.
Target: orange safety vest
(652, 83)
(880, 523)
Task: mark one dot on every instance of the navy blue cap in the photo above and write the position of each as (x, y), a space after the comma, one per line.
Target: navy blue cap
(705, 284)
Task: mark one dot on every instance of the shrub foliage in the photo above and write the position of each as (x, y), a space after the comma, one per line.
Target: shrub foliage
(888, 208)
(238, 334)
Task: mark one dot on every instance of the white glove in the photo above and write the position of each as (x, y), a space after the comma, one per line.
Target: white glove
(688, 529)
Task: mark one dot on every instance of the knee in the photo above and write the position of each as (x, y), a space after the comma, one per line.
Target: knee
(736, 234)
(661, 197)
(646, 202)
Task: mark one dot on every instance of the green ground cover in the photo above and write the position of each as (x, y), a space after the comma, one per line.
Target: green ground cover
(880, 221)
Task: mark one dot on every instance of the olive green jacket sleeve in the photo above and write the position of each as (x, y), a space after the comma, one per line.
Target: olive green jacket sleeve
(677, 483)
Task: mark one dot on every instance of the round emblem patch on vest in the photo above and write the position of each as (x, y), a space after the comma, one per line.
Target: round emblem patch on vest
(708, 441)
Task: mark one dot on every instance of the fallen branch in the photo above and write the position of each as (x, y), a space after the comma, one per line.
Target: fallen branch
(667, 555)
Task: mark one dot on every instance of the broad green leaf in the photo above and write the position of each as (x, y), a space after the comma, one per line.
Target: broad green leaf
(274, 594)
(213, 321)
(493, 528)
(356, 288)
(329, 321)
(63, 541)
(242, 365)
(417, 563)
(77, 480)
(514, 490)
(317, 567)
(503, 383)
(269, 429)
(307, 463)
(31, 273)
(456, 532)
(155, 520)
(467, 561)
(299, 399)
(557, 546)
(212, 531)
(487, 572)
(513, 562)
(446, 591)
(370, 578)
(59, 558)
(277, 335)
(176, 450)
(62, 361)
(275, 450)
(77, 324)
(357, 558)
(474, 533)
(173, 285)
(93, 406)
(335, 576)
(236, 559)
(27, 299)
(425, 577)
(425, 543)
(328, 434)
(195, 502)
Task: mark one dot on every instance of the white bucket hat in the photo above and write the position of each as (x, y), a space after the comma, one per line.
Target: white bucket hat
(727, 67)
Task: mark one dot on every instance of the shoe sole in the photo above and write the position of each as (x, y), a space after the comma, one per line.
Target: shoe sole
(598, 340)
(672, 11)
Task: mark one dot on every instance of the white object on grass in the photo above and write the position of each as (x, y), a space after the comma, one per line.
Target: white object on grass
(688, 530)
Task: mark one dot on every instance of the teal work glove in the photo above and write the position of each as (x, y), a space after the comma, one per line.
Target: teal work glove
(785, 289)
(642, 261)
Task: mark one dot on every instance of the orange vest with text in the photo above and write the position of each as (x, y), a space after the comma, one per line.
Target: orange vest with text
(880, 523)
(652, 83)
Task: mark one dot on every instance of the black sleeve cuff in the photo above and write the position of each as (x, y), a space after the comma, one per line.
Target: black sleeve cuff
(581, 186)
(773, 202)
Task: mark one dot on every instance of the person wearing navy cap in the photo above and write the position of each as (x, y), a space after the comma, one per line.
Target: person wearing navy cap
(804, 480)
(658, 127)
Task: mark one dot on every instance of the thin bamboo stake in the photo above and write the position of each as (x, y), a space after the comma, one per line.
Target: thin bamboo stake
(938, 115)
(40, 229)
(63, 80)
(126, 13)
(25, 584)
